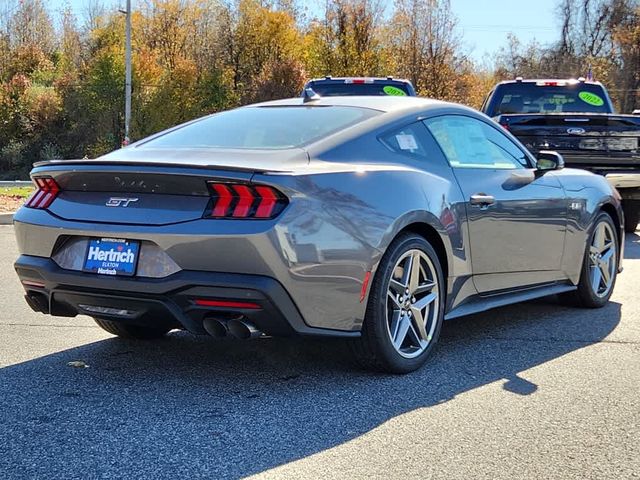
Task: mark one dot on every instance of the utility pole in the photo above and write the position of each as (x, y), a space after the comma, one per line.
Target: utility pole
(127, 75)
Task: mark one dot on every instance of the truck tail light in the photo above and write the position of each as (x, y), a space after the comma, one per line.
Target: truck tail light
(46, 193)
(237, 200)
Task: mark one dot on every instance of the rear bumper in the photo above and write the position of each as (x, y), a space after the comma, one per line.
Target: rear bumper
(170, 301)
(624, 180)
(324, 283)
(598, 159)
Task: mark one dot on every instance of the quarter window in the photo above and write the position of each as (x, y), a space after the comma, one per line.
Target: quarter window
(409, 140)
(471, 143)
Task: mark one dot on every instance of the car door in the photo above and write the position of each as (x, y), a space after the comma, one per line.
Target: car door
(516, 216)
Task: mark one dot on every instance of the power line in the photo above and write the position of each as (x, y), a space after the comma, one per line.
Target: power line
(507, 27)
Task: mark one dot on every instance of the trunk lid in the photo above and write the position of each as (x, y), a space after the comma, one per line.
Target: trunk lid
(145, 189)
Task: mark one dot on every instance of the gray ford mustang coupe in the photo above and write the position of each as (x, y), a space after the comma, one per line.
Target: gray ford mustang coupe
(369, 218)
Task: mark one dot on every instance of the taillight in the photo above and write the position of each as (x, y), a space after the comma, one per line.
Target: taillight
(358, 80)
(547, 83)
(239, 200)
(47, 191)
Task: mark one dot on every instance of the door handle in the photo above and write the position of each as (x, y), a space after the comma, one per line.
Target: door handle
(482, 200)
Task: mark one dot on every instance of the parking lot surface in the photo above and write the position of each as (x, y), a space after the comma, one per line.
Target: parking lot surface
(537, 390)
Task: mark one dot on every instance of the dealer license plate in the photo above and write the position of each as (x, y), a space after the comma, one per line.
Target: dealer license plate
(109, 256)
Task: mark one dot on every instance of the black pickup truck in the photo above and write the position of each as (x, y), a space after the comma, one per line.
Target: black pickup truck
(575, 118)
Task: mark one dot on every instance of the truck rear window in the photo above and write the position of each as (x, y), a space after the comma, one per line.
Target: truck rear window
(533, 98)
(367, 89)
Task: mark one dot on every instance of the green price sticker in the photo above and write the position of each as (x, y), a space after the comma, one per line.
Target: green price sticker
(591, 99)
(395, 91)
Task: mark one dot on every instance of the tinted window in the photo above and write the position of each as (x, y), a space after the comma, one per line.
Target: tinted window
(368, 89)
(263, 127)
(407, 140)
(532, 98)
(471, 143)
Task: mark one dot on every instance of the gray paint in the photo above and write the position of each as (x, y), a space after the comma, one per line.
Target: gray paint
(350, 196)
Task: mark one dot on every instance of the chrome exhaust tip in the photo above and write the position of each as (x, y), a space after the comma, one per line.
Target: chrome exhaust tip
(243, 329)
(215, 327)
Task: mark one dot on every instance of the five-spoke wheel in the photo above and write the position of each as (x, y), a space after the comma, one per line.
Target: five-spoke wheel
(412, 303)
(405, 308)
(602, 259)
(600, 265)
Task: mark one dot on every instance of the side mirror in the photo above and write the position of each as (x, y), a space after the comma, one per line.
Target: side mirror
(549, 160)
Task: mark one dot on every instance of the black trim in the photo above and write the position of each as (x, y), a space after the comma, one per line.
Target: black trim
(480, 304)
(169, 300)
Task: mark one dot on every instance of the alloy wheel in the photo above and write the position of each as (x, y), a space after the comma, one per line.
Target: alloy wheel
(602, 259)
(412, 303)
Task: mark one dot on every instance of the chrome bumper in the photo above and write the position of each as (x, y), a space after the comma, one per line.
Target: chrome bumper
(623, 180)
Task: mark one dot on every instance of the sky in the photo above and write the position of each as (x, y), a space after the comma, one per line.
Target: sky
(483, 24)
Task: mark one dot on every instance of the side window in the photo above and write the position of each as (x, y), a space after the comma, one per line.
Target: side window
(471, 143)
(407, 140)
(486, 100)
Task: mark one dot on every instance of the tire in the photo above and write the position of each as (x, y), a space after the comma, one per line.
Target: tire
(588, 295)
(391, 339)
(631, 215)
(125, 330)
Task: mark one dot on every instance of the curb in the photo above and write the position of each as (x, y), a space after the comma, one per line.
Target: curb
(6, 218)
(16, 183)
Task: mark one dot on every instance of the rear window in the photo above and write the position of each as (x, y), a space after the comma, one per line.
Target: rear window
(532, 98)
(367, 89)
(263, 127)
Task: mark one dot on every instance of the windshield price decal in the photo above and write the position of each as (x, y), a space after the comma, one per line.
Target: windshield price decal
(395, 91)
(591, 99)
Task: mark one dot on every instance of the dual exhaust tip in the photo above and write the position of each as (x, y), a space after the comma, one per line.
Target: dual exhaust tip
(236, 327)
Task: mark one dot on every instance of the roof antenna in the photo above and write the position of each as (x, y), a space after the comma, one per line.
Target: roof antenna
(309, 95)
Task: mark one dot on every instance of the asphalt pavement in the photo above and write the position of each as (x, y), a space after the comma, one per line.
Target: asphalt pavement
(537, 390)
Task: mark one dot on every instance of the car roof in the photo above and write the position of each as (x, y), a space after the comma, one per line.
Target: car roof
(371, 79)
(380, 103)
(572, 81)
(392, 109)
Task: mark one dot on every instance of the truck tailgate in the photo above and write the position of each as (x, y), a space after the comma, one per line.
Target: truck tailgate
(606, 140)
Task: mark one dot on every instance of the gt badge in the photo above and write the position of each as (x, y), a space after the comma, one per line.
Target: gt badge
(120, 201)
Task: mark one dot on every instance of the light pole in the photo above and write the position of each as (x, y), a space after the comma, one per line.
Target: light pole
(127, 75)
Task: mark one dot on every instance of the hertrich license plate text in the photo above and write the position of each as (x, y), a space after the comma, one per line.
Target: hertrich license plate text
(108, 256)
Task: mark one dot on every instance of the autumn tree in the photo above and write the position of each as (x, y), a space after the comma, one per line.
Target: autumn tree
(524, 60)
(280, 79)
(253, 37)
(347, 41)
(31, 25)
(597, 38)
(626, 38)
(425, 46)
(62, 70)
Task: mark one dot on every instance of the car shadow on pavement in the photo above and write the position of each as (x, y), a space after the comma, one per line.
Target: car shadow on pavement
(227, 409)
(632, 246)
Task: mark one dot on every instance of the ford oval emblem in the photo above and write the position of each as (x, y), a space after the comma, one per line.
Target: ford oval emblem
(575, 131)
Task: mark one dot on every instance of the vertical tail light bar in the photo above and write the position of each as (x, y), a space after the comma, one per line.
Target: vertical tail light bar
(237, 200)
(246, 198)
(223, 199)
(268, 203)
(46, 193)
